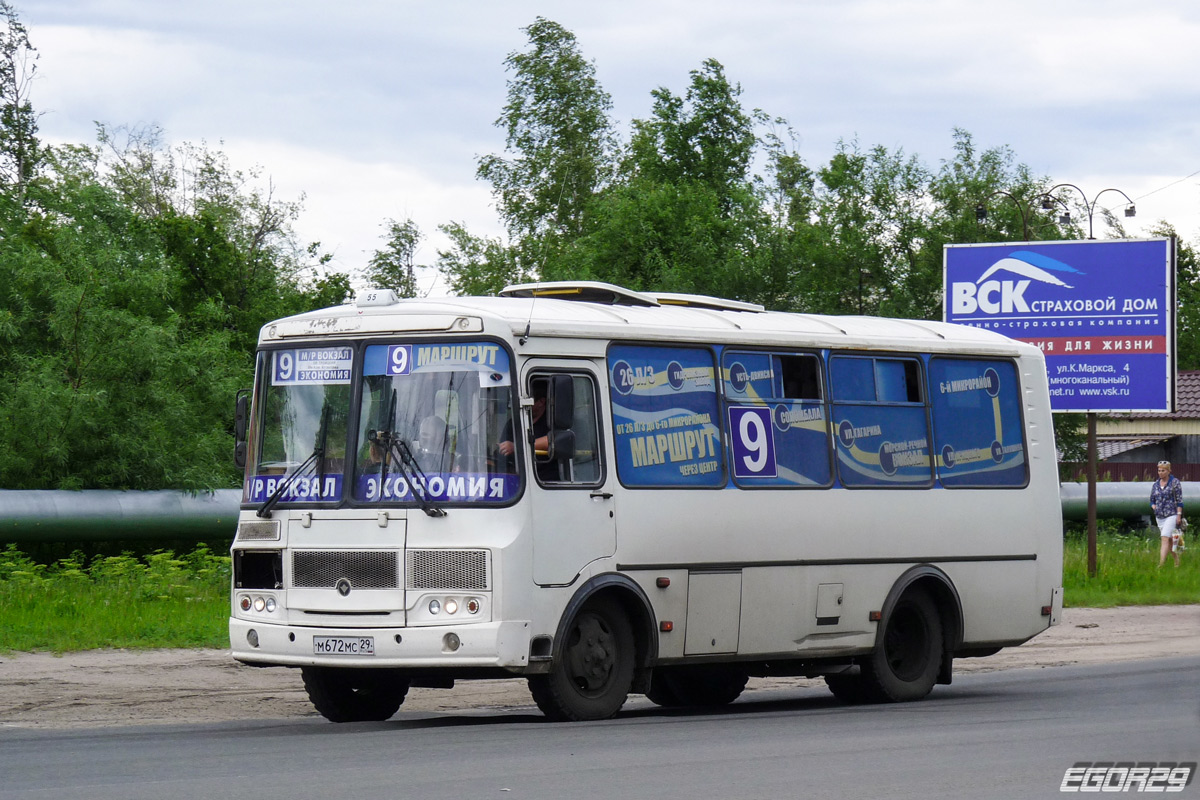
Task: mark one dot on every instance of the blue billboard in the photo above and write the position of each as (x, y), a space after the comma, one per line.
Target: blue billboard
(1102, 312)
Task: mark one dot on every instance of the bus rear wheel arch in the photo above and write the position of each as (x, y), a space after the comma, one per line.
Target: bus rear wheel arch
(910, 655)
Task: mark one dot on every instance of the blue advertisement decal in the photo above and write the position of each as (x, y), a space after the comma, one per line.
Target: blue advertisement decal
(749, 376)
(978, 435)
(665, 416)
(440, 487)
(314, 488)
(405, 359)
(881, 445)
(1102, 312)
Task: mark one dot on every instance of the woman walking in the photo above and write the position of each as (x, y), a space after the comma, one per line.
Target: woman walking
(1166, 499)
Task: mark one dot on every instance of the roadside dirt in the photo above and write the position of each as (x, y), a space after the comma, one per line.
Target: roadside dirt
(144, 687)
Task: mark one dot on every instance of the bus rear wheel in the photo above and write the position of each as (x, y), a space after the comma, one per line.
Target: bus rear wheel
(593, 673)
(706, 685)
(905, 665)
(354, 695)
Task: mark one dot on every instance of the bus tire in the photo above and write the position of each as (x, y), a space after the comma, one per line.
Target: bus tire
(354, 695)
(704, 686)
(849, 688)
(593, 673)
(905, 664)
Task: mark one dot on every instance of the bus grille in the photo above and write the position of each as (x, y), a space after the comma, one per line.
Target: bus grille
(461, 570)
(318, 569)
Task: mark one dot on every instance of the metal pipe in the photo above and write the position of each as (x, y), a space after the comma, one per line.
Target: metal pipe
(96, 515)
(100, 515)
(1116, 500)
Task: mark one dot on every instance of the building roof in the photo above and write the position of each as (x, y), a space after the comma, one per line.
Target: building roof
(1109, 446)
(1187, 399)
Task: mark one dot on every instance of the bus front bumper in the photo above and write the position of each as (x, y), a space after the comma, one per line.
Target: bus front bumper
(490, 644)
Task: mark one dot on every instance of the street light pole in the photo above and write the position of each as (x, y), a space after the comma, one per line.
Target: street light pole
(1092, 450)
(981, 211)
(1130, 210)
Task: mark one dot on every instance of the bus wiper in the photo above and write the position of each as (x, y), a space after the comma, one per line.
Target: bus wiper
(317, 458)
(394, 445)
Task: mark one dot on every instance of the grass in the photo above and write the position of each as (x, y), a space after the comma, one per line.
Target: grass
(1127, 571)
(157, 599)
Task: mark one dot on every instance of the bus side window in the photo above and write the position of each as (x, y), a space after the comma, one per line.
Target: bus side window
(583, 466)
(801, 378)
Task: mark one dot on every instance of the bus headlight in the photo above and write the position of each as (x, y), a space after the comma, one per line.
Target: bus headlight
(446, 609)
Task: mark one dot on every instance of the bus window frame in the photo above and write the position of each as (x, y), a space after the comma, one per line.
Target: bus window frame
(1020, 388)
(262, 384)
(822, 386)
(719, 423)
(356, 409)
(545, 371)
(920, 357)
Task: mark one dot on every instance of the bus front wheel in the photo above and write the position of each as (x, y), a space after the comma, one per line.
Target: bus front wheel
(905, 665)
(354, 695)
(593, 673)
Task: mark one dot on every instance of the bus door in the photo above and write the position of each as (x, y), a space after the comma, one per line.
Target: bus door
(573, 521)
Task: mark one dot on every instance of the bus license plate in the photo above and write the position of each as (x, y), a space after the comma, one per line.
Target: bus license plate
(344, 645)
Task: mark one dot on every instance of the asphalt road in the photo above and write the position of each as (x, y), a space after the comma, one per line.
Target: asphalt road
(997, 735)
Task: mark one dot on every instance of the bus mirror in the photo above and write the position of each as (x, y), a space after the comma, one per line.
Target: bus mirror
(240, 417)
(562, 445)
(562, 404)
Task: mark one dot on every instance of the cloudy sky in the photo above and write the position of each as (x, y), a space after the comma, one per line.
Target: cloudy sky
(379, 108)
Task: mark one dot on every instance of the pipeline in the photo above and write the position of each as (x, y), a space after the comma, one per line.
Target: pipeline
(1116, 500)
(100, 515)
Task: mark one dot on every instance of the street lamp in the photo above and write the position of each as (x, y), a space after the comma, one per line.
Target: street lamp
(1130, 210)
(981, 211)
(1092, 455)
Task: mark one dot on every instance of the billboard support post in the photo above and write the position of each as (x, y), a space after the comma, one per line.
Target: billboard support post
(1091, 505)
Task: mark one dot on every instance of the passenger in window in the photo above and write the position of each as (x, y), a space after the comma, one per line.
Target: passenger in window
(1166, 501)
(547, 470)
(434, 450)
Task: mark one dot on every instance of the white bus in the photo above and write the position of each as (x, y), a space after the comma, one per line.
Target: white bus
(611, 492)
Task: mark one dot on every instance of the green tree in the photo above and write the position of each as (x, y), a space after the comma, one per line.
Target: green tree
(685, 214)
(475, 265)
(232, 240)
(19, 147)
(560, 142)
(871, 226)
(133, 281)
(394, 266)
(101, 384)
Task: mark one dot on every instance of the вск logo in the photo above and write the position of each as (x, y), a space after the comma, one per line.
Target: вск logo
(996, 296)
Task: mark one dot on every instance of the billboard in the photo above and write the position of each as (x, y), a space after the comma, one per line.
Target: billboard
(1102, 312)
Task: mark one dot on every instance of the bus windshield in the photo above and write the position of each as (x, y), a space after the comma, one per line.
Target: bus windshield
(446, 406)
(298, 454)
(429, 415)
